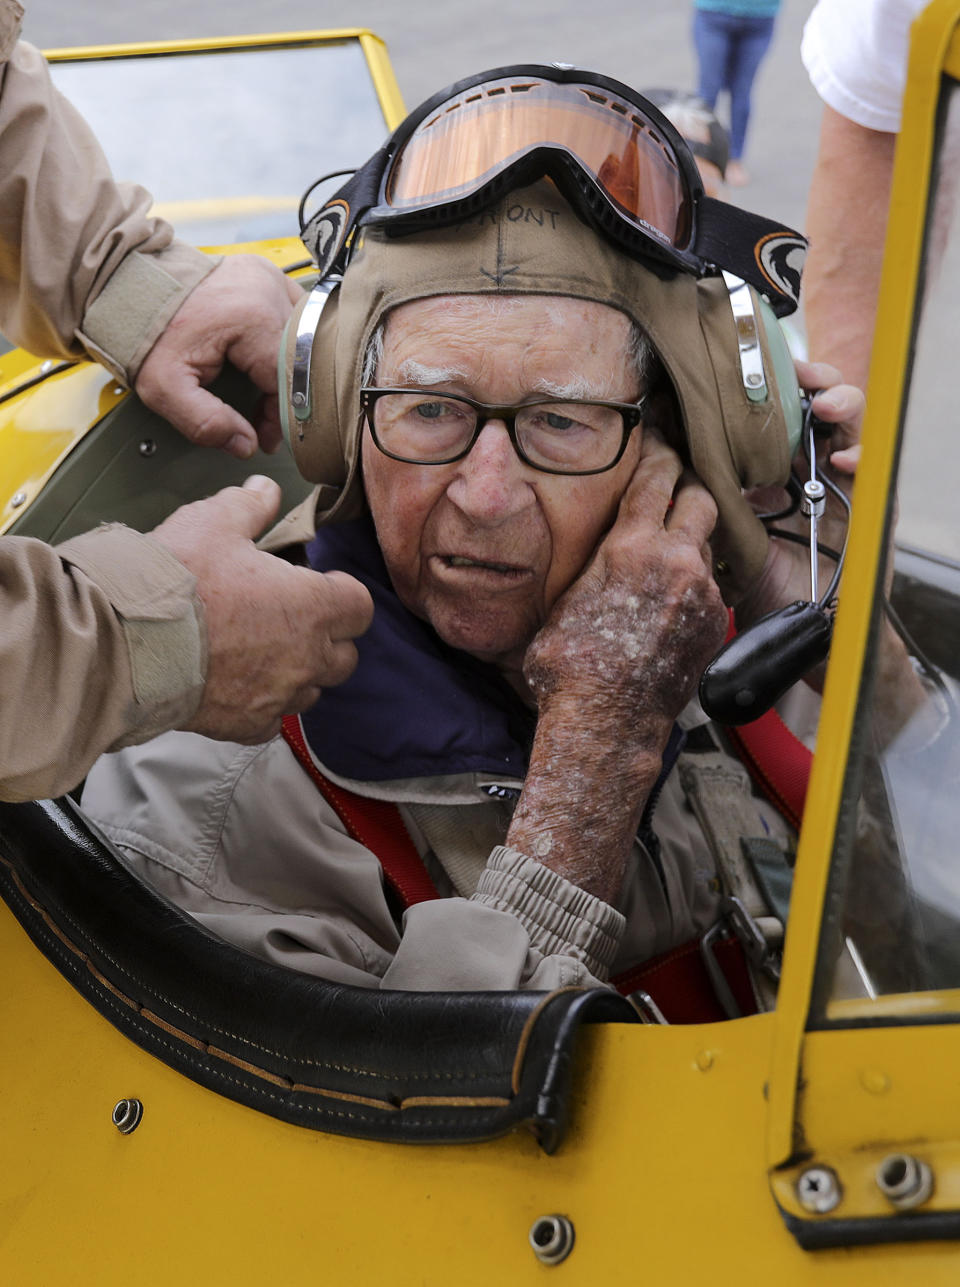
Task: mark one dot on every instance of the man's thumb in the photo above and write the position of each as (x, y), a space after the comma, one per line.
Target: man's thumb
(258, 503)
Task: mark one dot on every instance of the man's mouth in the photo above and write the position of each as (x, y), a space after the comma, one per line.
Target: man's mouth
(462, 561)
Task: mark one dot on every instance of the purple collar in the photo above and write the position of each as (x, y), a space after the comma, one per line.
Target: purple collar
(413, 707)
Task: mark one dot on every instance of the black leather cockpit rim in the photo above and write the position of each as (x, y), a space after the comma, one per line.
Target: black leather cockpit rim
(392, 1066)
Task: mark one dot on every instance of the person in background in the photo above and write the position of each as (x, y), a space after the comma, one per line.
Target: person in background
(701, 130)
(855, 52)
(730, 38)
(114, 636)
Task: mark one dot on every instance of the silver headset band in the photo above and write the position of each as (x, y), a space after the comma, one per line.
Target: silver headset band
(748, 337)
(307, 324)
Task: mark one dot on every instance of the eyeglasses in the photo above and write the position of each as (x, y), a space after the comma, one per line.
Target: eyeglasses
(554, 435)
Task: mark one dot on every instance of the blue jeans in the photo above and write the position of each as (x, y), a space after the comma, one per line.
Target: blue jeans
(729, 51)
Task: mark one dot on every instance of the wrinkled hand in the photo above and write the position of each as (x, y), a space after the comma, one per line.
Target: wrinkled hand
(786, 573)
(614, 664)
(237, 313)
(632, 634)
(277, 634)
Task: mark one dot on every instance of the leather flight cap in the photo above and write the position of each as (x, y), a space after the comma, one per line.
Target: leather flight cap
(531, 242)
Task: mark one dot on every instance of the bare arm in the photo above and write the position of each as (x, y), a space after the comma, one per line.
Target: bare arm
(846, 224)
(615, 664)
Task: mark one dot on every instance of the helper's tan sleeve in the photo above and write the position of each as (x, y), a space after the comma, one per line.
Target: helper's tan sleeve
(82, 265)
(103, 645)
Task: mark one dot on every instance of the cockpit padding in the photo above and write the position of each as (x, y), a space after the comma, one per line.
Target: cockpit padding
(393, 1066)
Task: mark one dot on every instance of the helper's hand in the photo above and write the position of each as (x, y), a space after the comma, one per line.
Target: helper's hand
(237, 313)
(277, 634)
(615, 663)
(899, 696)
(786, 574)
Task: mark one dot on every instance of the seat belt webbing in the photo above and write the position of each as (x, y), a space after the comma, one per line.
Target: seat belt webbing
(376, 824)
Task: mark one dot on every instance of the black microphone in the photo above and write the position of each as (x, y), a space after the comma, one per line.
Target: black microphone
(756, 667)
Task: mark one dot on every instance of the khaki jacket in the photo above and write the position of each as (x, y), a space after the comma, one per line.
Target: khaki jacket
(102, 639)
(241, 838)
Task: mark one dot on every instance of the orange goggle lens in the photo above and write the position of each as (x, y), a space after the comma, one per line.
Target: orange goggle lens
(472, 138)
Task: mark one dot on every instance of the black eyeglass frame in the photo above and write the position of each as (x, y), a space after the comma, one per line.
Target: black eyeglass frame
(631, 414)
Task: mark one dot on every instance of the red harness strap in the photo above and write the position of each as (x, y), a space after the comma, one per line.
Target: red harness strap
(680, 985)
(677, 980)
(778, 762)
(376, 824)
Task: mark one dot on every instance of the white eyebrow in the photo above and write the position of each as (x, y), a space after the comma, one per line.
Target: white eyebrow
(411, 371)
(578, 387)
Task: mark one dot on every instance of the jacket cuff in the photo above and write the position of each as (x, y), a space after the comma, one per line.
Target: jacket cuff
(560, 918)
(161, 615)
(128, 316)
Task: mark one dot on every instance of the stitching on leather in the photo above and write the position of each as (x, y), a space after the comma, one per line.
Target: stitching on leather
(225, 1032)
(205, 1047)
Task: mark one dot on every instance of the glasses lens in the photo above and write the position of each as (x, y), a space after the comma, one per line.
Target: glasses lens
(570, 437)
(472, 138)
(422, 426)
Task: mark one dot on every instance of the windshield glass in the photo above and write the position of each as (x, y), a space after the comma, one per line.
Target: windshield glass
(227, 140)
(893, 921)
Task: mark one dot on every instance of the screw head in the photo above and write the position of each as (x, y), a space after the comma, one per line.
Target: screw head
(299, 400)
(551, 1238)
(905, 1181)
(818, 1190)
(127, 1114)
(148, 447)
(753, 379)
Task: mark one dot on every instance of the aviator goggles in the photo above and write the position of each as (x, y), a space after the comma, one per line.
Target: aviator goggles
(613, 155)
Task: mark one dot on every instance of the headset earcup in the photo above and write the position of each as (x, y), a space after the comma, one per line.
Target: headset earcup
(782, 361)
(320, 442)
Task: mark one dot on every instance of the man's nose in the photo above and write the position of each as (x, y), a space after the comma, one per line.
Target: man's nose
(492, 483)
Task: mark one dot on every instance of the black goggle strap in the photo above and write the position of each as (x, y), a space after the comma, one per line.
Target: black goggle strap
(767, 255)
(325, 233)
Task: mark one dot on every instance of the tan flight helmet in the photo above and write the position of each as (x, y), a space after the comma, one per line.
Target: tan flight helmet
(720, 344)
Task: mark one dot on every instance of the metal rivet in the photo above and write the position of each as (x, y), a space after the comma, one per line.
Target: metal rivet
(17, 499)
(904, 1181)
(118, 389)
(551, 1238)
(299, 399)
(127, 1114)
(754, 379)
(148, 447)
(46, 367)
(818, 1190)
(722, 568)
(874, 1081)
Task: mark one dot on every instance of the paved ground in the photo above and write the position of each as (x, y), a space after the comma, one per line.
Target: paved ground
(643, 42)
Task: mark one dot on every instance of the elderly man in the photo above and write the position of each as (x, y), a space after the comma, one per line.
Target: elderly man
(545, 599)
